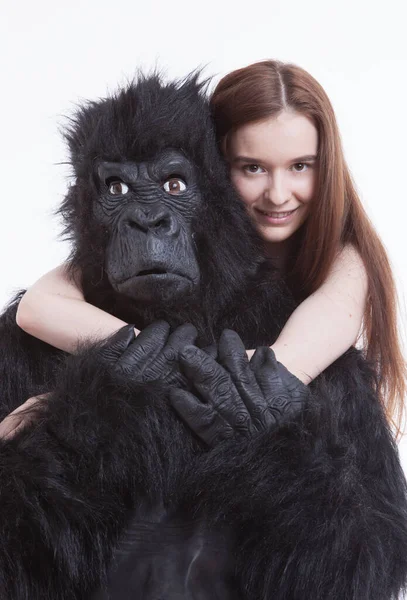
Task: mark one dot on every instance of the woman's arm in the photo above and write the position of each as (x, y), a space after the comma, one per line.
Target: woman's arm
(54, 310)
(328, 322)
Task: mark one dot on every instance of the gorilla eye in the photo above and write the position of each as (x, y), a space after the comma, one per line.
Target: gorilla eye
(117, 188)
(174, 186)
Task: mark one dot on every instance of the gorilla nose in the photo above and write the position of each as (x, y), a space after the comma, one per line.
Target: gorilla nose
(152, 220)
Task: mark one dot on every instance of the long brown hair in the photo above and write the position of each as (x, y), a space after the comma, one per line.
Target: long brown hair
(263, 90)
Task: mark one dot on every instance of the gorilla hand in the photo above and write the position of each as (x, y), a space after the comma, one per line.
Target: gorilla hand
(239, 398)
(152, 355)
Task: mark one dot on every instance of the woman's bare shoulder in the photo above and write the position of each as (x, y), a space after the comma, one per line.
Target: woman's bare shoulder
(348, 270)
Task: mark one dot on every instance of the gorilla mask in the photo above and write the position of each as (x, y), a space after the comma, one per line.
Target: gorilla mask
(147, 207)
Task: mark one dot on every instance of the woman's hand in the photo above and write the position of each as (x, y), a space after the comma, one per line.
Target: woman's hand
(20, 417)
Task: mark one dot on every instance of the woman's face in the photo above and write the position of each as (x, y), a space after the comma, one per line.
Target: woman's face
(273, 165)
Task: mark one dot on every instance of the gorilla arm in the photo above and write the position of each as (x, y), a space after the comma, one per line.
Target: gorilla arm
(319, 505)
(67, 483)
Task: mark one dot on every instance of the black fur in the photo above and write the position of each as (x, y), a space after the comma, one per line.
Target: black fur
(317, 510)
(131, 126)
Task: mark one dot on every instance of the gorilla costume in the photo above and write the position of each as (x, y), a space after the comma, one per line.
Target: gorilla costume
(111, 494)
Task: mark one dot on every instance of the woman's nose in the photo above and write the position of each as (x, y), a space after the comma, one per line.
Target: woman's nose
(276, 192)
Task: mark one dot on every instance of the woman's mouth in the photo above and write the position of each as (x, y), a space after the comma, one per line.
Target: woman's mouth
(275, 217)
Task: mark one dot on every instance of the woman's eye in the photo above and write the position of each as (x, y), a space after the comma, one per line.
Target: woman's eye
(253, 168)
(174, 186)
(118, 188)
(300, 167)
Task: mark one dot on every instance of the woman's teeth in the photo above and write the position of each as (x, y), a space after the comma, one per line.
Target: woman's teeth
(278, 215)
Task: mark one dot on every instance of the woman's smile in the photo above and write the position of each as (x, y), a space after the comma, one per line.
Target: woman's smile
(275, 217)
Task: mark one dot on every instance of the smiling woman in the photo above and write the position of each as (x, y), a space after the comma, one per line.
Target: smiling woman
(278, 131)
(273, 167)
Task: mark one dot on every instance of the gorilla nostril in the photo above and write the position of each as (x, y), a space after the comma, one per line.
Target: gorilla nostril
(145, 225)
(133, 224)
(155, 220)
(161, 223)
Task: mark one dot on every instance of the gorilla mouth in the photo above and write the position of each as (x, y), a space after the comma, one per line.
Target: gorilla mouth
(150, 282)
(153, 272)
(152, 285)
(160, 273)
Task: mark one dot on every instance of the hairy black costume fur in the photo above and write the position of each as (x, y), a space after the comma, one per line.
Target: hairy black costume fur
(315, 510)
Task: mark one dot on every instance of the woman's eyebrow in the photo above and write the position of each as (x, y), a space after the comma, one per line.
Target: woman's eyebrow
(251, 159)
(306, 158)
(246, 159)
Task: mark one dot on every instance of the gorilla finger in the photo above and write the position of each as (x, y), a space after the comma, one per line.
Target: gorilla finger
(232, 355)
(157, 328)
(115, 346)
(231, 346)
(204, 373)
(185, 332)
(198, 366)
(212, 382)
(278, 383)
(265, 368)
(260, 357)
(166, 362)
(183, 336)
(145, 348)
(293, 385)
(190, 408)
(202, 419)
(211, 351)
(173, 377)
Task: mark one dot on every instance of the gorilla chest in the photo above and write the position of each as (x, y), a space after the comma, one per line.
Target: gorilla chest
(170, 560)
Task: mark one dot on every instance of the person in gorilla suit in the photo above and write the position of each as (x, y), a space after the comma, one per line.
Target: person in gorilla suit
(153, 470)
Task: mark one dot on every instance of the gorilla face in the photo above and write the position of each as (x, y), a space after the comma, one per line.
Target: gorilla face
(156, 227)
(147, 208)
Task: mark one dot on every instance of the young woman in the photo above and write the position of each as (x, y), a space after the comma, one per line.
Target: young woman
(278, 132)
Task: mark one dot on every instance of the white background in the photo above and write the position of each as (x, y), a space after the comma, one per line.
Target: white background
(54, 53)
